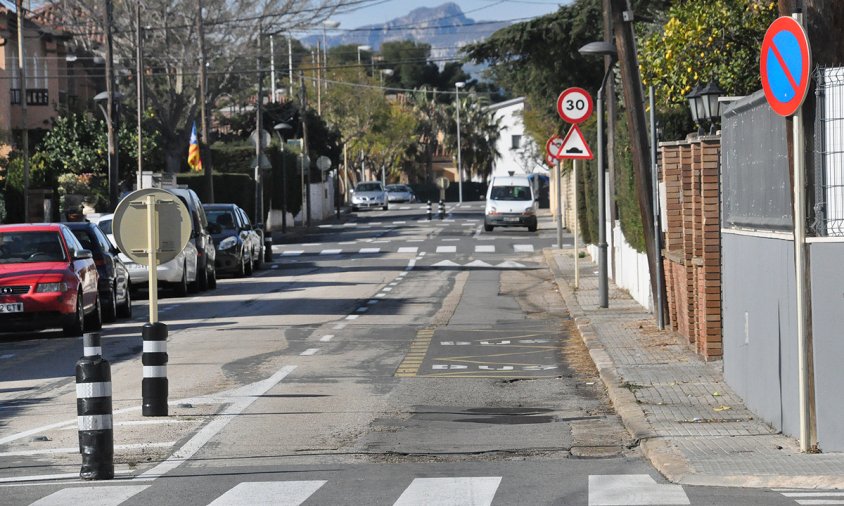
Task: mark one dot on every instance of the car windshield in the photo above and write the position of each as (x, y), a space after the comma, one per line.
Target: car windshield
(396, 188)
(85, 240)
(369, 187)
(17, 247)
(105, 226)
(510, 193)
(222, 217)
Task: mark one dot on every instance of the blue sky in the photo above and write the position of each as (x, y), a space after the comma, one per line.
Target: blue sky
(379, 11)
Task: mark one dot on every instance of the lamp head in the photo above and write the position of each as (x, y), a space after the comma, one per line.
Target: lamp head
(364, 48)
(599, 48)
(459, 85)
(282, 126)
(709, 97)
(330, 23)
(693, 98)
(103, 95)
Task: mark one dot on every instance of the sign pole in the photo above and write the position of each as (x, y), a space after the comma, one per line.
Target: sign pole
(152, 250)
(576, 222)
(558, 213)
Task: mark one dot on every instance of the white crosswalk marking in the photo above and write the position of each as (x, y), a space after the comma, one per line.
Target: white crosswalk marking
(813, 497)
(633, 490)
(269, 493)
(330, 252)
(450, 491)
(478, 263)
(485, 248)
(523, 248)
(292, 253)
(408, 249)
(446, 263)
(370, 250)
(446, 249)
(91, 496)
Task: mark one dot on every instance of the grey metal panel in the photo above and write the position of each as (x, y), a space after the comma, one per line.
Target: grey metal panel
(828, 341)
(755, 189)
(760, 345)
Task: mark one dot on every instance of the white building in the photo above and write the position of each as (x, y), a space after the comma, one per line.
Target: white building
(518, 152)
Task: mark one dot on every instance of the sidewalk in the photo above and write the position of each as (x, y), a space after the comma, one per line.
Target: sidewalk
(690, 424)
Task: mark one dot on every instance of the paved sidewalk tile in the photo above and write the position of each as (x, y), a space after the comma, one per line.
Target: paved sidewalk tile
(692, 426)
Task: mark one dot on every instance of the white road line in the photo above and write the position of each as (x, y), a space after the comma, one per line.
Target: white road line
(241, 398)
(352, 317)
(485, 248)
(408, 249)
(339, 326)
(326, 338)
(372, 302)
(410, 264)
(399, 222)
(387, 289)
(632, 490)
(475, 491)
(451, 239)
(402, 274)
(381, 241)
(7, 356)
(330, 252)
(312, 244)
(446, 249)
(309, 351)
(422, 253)
(269, 493)
(813, 494)
(107, 495)
(819, 502)
(362, 309)
(347, 242)
(523, 248)
(379, 295)
(292, 253)
(369, 250)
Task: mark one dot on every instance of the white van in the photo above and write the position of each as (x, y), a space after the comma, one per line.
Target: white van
(510, 202)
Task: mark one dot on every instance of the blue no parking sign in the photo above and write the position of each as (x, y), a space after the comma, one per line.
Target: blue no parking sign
(784, 64)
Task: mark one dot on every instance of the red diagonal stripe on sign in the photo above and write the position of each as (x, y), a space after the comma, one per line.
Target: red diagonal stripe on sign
(785, 70)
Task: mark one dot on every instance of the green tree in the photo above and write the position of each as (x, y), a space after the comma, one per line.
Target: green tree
(479, 131)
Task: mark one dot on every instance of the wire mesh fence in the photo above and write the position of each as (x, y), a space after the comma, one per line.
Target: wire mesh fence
(829, 153)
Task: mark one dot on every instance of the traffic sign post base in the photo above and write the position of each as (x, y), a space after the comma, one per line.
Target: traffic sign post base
(154, 387)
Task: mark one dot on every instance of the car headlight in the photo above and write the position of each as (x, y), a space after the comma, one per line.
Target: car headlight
(228, 243)
(529, 212)
(492, 211)
(51, 287)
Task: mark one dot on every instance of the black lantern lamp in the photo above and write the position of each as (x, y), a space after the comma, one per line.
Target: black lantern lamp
(709, 96)
(695, 107)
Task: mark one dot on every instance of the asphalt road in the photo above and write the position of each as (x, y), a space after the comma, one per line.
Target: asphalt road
(382, 360)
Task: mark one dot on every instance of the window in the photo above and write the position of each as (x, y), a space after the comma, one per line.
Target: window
(515, 141)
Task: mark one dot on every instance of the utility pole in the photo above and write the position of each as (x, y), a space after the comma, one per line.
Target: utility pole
(610, 102)
(306, 168)
(622, 18)
(259, 209)
(290, 65)
(205, 144)
(316, 81)
(111, 124)
(24, 126)
(139, 87)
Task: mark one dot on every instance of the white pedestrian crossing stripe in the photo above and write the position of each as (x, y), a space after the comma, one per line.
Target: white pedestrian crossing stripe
(523, 248)
(269, 493)
(633, 490)
(485, 248)
(93, 496)
(330, 252)
(408, 249)
(370, 250)
(292, 253)
(813, 497)
(446, 249)
(474, 491)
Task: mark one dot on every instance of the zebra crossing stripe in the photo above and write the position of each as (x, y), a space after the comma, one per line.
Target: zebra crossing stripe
(330, 252)
(408, 250)
(370, 250)
(446, 249)
(633, 490)
(476, 491)
(292, 253)
(101, 496)
(269, 493)
(485, 248)
(815, 497)
(523, 248)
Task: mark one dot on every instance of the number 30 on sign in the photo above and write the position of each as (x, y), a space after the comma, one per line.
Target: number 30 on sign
(574, 105)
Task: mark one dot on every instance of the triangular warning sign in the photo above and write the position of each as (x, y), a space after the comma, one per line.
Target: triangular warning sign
(574, 146)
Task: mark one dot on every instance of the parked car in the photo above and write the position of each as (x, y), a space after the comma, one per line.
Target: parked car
(239, 245)
(177, 273)
(115, 297)
(510, 202)
(47, 280)
(369, 194)
(400, 193)
(203, 243)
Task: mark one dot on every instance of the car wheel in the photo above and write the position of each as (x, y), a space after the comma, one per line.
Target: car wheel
(182, 286)
(488, 228)
(75, 328)
(110, 307)
(532, 227)
(385, 207)
(212, 279)
(94, 320)
(202, 280)
(125, 310)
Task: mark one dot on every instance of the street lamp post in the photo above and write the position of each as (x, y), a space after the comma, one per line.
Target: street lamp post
(457, 86)
(332, 25)
(362, 48)
(602, 48)
(386, 72)
(114, 97)
(278, 128)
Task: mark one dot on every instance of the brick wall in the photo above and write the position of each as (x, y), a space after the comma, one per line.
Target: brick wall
(692, 254)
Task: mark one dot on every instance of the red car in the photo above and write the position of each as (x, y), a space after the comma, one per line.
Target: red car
(47, 280)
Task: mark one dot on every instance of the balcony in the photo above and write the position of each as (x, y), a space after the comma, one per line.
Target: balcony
(34, 96)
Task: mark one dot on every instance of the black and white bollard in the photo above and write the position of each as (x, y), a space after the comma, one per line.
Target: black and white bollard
(93, 410)
(442, 210)
(154, 358)
(429, 211)
(268, 247)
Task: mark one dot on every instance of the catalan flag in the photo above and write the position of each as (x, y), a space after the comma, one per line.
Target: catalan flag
(193, 152)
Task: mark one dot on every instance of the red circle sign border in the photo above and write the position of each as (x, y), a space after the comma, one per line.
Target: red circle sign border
(562, 97)
(548, 146)
(792, 26)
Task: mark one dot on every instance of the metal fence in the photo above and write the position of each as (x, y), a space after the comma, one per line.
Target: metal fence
(829, 153)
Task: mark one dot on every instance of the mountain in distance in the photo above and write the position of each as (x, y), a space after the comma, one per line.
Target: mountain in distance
(445, 28)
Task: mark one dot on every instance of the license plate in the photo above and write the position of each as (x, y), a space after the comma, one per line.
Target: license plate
(511, 219)
(136, 267)
(15, 307)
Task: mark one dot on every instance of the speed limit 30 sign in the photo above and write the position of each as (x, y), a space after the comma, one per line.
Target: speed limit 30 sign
(574, 105)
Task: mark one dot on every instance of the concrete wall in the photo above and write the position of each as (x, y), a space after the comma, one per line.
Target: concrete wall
(760, 344)
(827, 289)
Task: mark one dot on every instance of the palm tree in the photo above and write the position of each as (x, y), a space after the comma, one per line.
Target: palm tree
(430, 118)
(479, 132)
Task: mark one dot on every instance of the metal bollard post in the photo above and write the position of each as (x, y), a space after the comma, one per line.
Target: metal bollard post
(93, 410)
(442, 210)
(268, 248)
(154, 358)
(429, 210)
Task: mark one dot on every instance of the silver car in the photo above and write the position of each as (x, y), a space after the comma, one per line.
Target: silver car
(400, 193)
(368, 195)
